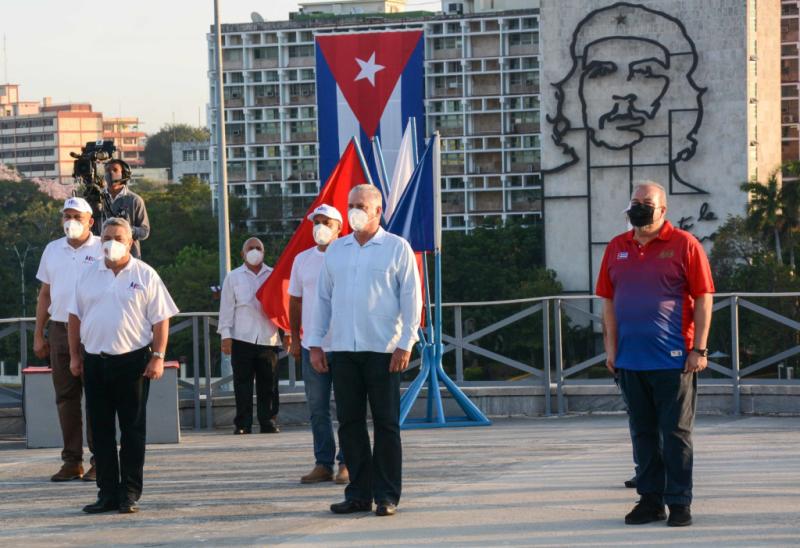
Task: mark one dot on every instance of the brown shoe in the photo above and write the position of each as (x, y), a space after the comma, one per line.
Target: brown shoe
(342, 476)
(318, 474)
(91, 475)
(68, 472)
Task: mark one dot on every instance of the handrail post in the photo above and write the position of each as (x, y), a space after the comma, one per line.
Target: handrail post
(23, 347)
(459, 334)
(207, 356)
(546, 357)
(736, 388)
(196, 367)
(558, 343)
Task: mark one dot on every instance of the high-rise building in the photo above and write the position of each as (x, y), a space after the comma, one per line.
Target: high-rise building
(790, 80)
(37, 138)
(482, 95)
(128, 139)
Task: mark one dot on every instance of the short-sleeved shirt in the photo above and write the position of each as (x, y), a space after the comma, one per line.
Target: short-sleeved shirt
(61, 266)
(117, 313)
(653, 288)
(303, 284)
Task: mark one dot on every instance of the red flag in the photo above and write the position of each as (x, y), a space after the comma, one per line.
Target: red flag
(274, 294)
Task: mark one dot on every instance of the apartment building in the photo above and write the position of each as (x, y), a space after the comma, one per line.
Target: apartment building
(130, 142)
(37, 138)
(190, 159)
(482, 94)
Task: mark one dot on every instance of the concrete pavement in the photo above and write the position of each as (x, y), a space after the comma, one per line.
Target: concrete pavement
(523, 482)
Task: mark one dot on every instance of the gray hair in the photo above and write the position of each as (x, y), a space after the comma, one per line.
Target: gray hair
(118, 221)
(652, 184)
(250, 239)
(371, 191)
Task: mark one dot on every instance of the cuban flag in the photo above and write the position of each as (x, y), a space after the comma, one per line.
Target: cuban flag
(368, 84)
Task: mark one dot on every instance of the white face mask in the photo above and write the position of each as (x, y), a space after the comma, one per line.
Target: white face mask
(254, 257)
(73, 229)
(358, 219)
(114, 250)
(322, 234)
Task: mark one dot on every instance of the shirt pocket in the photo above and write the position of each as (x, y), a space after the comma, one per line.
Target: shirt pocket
(381, 299)
(243, 293)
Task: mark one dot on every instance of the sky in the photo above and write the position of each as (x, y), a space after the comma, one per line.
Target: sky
(144, 58)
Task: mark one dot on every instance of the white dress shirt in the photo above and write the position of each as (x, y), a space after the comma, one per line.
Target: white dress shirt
(240, 314)
(303, 284)
(118, 313)
(368, 297)
(61, 266)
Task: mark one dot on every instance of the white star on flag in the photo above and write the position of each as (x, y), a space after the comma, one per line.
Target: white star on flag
(368, 69)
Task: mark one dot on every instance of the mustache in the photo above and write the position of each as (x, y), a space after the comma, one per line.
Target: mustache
(631, 114)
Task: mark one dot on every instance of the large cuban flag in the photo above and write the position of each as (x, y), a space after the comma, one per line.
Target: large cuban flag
(368, 84)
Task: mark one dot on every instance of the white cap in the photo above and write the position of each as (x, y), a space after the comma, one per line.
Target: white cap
(78, 204)
(329, 211)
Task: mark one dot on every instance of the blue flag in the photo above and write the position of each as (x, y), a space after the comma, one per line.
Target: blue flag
(414, 217)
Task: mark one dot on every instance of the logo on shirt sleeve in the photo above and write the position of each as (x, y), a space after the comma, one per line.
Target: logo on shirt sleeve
(622, 255)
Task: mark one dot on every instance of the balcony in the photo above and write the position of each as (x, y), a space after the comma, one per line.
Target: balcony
(450, 53)
(237, 139)
(265, 63)
(268, 175)
(303, 137)
(521, 167)
(455, 91)
(530, 127)
(306, 61)
(452, 169)
(303, 99)
(451, 131)
(234, 102)
(267, 100)
(267, 138)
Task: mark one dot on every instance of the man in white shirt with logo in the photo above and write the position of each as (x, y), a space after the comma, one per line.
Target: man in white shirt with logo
(302, 296)
(62, 265)
(369, 279)
(251, 339)
(120, 313)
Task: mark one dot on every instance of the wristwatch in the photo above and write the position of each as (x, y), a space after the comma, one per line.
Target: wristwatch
(702, 351)
(159, 355)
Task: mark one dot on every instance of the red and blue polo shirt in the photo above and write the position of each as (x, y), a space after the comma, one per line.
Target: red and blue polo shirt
(653, 288)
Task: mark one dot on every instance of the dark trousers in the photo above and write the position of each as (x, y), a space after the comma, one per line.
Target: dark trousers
(115, 388)
(68, 389)
(253, 361)
(661, 408)
(358, 377)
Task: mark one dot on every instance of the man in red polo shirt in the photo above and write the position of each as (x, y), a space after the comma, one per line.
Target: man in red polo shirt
(657, 289)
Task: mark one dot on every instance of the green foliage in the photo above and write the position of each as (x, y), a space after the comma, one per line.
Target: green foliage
(158, 151)
(189, 277)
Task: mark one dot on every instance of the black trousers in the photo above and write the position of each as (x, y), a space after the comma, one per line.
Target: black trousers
(358, 377)
(253, 361)
(116, 389)
(661, 407)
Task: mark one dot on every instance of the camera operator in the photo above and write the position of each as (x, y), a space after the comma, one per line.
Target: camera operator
(126, 204)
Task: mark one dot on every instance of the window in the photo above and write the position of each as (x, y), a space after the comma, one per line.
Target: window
(203, 155)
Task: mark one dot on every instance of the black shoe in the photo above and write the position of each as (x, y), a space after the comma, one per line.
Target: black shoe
(101, 505)
(351, 506)
(648, 509)
(679, 515)
(270, 428)
(128, 506)
(240, 431)
(386, 508)
(631, 483)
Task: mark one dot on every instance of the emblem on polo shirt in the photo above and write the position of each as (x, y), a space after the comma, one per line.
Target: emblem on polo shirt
(136, 286)
(666, 254)
(676, 353)
(622, 255)
(89, 259)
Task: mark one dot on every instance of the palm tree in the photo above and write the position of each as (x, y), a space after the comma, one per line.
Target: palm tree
(764, 212)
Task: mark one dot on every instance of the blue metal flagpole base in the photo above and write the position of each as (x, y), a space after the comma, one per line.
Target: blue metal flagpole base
(431, 372)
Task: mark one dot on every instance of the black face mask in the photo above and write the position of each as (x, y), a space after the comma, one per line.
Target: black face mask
(641, 214)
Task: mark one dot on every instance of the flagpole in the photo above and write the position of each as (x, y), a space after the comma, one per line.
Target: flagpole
(377, 151)
(362, 160)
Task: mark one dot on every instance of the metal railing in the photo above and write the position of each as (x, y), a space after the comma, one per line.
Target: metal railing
(547, 365)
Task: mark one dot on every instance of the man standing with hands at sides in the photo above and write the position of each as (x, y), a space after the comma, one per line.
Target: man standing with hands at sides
(302, 298)
(63, 264)
(369, 281)
(251, 340)
(125, 203)
(120, 312)
(657, 289)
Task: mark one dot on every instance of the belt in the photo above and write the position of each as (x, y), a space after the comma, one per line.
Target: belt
(130, 354)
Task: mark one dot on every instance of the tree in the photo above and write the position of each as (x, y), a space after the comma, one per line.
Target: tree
(158, 151)
(764, 209)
